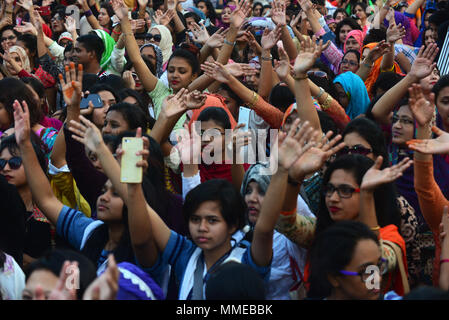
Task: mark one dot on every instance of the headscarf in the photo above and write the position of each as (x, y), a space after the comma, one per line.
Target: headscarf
(135, 284)
(109, 44)
(357, 35)
(256, 173)
(375, 70)
(159, 58)
(359, 99)
(23, 58)
(166, 43)
(213, 100)
(65, 35)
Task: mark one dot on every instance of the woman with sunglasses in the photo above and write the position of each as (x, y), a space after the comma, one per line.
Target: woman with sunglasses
(363, 136)
(346, 263)
(354, 188)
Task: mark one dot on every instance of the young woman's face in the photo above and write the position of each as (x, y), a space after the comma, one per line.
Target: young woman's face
(353, 139)
(57, 24)
(254, 199)
(179, 74)
(17, 176)
(344, 30)
(257, 12)
(109, 204)
(340, 16)
(429, 37)
(99, 114)
(403, 126)
(349, 63)
(43, 278)
(24, 47)
(212, 140)
(5, 121)
(103, 17)
(155, 32)
(226, 15)
(352, 44)
(150, 54)
(428, 82)
(342, 208)
(202, 6)
(359, 12)
(8, 39)
(230, 103)
(114, 123)
(442, 102)
(366, 255)
(343, 98)
(289, 121)
(14, 56)
(208, 228)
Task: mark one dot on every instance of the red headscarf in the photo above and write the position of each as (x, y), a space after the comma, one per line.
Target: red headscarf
(358, 36)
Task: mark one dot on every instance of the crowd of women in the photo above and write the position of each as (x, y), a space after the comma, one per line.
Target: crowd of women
(357, 207)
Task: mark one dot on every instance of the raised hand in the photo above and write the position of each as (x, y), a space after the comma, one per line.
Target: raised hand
(294, 144)
(120, 9)
(423, 64)
(216, 71)
(26, 4)
(67, 284)
(142, 3)
(308, 53)
(217, 39)
(294, 21)
(189, 146)
(439, 145)
(278, 13)
(421, 108)
(104, 287)
(194, 100)
(22, 126)
(87, 133)
(395, 32)
(164, 18)
(375, 177)
(240, 69)
(73, 85)
(240, 139)
(70, 24)
(11, 62)
(26, 27)
(240, 13)
(378, 51)
(306, 5)
(137, 24)
(270, 38)
(314, 158)
(128, 79)
(171, 4)
(282, 67)
(200, 34)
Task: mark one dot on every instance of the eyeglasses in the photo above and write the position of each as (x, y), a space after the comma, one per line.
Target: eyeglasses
(357, 149)
(344, 191)
(351, 63)
(320, 74)
(11, 37)
(157, 37)
(382, 266)
(14, 163)
(404, 121)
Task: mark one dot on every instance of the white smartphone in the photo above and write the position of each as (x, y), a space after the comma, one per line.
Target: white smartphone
(129, 173)
(244, 117)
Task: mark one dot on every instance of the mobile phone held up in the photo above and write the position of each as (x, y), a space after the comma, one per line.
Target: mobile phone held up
(96, 101)
(129, 173)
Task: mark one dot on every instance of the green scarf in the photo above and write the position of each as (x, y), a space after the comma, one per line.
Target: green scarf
(109, 44)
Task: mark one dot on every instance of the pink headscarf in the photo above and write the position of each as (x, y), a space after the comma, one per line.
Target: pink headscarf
(357, 35)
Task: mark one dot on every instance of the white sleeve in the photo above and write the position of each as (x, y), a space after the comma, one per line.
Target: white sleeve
(118, 60)
(303, 209)
(189, 183)
(57, 52)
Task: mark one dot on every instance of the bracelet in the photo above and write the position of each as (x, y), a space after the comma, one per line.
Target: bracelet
(253, 100)
(327, 103)
(88, 13)
(115, 32)
(377, 228)
(303, 78)
(444, 260)
(288, 213)
(8, 12)
(265, 58)
(229, 42)
(320, 93)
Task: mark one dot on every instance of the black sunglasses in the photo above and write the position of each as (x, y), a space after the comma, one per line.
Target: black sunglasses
(14, 163)
(11, 37)
(358, 149)
(157, 37)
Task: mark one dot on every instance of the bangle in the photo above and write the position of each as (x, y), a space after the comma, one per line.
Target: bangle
(228, 42)
(300, 78)
(444, 260)
(288, 213)
(265, 58)
(376, 228)
(253, 100)
(88, 13)
(115, 32)
(319, 93)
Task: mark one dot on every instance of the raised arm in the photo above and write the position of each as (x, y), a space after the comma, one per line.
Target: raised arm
(266, 82)
(292, 146)
(278, 17)
(421, 68)
(444, 268)
(37, 180)
(90, 17)
(394, 33)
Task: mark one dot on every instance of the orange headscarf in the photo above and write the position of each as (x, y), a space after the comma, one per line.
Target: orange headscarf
(375, 70)
(213, 100)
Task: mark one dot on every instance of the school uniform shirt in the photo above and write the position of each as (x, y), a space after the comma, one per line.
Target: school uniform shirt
(182, 255)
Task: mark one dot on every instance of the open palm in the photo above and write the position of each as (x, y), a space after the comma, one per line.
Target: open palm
(439, 145)
(375, 177)
(423, 64)
(421, 108)
(87, 133)
(216, 71)
(309, 52)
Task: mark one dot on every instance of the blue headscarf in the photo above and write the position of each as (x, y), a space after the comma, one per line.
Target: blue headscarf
(358, 95)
